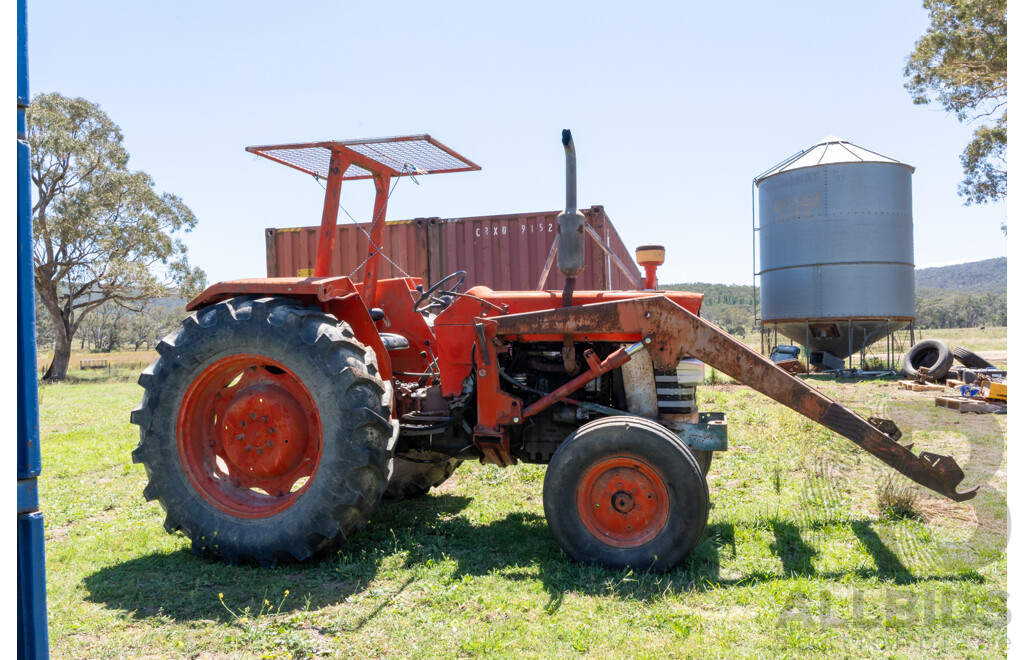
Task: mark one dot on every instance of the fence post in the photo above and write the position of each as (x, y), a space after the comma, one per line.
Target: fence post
(32, 636)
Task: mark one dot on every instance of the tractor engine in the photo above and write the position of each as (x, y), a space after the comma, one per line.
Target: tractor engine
(532, 371)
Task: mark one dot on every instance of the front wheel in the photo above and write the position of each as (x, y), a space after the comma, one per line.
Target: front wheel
(625, 491)
(265, 431)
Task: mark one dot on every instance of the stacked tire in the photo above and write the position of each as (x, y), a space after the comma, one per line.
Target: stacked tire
(933, 354)
(936, 355)
(971, 359)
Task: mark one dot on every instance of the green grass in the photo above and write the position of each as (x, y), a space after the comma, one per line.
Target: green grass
(974, 339)
(797, 559)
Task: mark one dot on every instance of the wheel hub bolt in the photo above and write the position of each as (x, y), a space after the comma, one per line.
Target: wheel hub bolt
(622, 502)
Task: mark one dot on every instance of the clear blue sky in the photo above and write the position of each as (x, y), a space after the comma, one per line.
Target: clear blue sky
(674, 107)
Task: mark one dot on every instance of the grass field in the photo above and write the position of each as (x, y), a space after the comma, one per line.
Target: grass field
(975, 339)
(798, 559)
(121, 365)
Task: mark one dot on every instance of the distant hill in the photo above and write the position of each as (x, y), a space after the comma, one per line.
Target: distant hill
(988, 276)
(719, 294)
(730, 306)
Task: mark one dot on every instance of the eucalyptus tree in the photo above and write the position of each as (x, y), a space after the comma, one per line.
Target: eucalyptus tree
(960, 63)
(102, 234)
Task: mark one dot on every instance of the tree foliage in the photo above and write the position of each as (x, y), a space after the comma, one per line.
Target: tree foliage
(961, 310)
(961, 64)
(102, 234)
(729, 306)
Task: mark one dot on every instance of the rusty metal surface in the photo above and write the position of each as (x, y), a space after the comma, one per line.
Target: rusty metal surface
(709, 433)
(641, 388)
(675, 333)
(454, 327)
(503, 252)
(601, 242)
(613, 361)
(292, 252)
(508, 252)
(280, 286)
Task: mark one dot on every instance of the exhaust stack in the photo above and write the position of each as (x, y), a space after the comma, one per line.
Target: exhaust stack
(571, 222)
(571, 258)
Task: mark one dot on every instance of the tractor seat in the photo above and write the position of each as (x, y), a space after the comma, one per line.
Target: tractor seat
(394, 342)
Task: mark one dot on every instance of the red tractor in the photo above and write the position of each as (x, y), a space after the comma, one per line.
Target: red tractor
(284, 409)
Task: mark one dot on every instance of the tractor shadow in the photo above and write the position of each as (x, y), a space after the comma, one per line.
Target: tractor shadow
(520, 547)
(183, 587)
(415, 535)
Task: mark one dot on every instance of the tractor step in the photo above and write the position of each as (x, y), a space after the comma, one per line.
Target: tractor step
(710, 433)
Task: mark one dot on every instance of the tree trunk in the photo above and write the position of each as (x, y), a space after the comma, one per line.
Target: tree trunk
(61, 354)
(63, 333)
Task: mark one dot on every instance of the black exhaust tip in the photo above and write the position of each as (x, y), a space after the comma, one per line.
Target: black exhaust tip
(566, 137)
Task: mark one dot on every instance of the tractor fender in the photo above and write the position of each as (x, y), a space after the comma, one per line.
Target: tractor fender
(337, 296)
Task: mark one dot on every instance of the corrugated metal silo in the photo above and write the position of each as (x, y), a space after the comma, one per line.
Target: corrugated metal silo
(836, 247)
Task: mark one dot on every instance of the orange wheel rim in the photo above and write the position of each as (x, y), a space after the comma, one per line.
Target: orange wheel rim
(249, 436)
(622, 500)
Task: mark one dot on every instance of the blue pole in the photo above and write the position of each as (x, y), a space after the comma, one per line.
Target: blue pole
(32, 637)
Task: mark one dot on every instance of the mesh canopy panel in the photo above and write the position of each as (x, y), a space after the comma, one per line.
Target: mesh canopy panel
(396, 156)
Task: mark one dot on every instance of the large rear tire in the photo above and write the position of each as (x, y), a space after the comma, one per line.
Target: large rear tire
(413, 478)
(265, 431)
(625, 491)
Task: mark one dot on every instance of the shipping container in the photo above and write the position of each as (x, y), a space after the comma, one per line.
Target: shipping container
(503, 252)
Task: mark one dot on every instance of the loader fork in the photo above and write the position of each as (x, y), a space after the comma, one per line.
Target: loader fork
(675, 333)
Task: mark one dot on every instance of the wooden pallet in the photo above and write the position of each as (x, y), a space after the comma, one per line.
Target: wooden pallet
(963, 404)
(915, 386)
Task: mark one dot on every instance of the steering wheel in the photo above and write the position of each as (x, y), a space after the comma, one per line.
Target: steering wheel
(439, 287)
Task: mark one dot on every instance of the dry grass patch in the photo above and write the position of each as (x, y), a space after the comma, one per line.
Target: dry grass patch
(898, 498)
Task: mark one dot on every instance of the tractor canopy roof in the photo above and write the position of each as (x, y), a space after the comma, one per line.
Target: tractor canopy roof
(390, 156)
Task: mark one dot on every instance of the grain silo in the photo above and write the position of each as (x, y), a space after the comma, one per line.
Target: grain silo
(836, 249)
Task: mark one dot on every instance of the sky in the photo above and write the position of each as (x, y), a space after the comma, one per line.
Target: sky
(674, 108)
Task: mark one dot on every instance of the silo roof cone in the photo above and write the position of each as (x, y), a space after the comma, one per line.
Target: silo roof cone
(830, 150)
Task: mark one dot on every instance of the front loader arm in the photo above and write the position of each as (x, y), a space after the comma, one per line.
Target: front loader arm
(672, 333)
